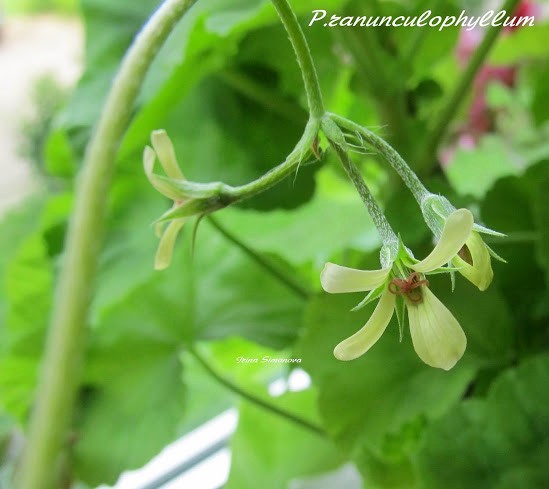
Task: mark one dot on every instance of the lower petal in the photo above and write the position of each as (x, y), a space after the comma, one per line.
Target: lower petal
(164, 252)
(436, 334)
(365, 338)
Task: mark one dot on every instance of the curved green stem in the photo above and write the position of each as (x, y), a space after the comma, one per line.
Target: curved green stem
(205, 198)
(388, 236)
(285, 279)
(64, 352)
(451, 107)
(304, 58)
(293, 418)
(388, 152)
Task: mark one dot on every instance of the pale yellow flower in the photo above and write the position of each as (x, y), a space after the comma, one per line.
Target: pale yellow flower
(436, 335)
(164, 150)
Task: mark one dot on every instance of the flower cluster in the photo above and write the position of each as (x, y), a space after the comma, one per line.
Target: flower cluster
(436, 334)
(189, 198)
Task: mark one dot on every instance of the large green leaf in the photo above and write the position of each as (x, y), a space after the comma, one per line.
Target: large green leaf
(515, 206)
(269, 451)
(15, 227)
(135, 401)
(311, 233)
(473, 172)
(377, 406)
(29, 284)
(365, 401)
(496, 443)
(525, 43)
(134, 413)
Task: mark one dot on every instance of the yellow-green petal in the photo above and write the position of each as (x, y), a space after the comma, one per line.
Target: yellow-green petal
(457, 230)
(337, 279)
(164, 252)
(367, 336)
(480, 272)
(436, 334)
(163, 185)
(148, 161)
(163, 146)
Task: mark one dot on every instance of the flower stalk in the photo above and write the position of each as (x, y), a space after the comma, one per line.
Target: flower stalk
(364, 135)
(388, 236)
(304, 58)
(64, 352)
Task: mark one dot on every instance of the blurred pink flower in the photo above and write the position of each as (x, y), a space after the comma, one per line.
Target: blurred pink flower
(480, 119)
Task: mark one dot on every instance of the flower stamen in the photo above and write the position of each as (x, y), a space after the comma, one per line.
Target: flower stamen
(465, 255)
(409, 287)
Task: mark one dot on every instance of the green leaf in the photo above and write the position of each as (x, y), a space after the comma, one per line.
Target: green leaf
(134, 373)
(313, 232)
(515, 207)
(15, 227)
(269, 451)
(134, 414)
(29, 281)
(540, 200)
(365, 402)
(525, 43)
(26, 263)
(496, 443)
(473, 172)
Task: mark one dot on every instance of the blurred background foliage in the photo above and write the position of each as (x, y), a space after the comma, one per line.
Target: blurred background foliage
(41, 6)
(227, 89)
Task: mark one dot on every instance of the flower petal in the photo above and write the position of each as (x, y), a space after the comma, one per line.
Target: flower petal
(336, 279)
(148, 160)
(436, 334)
(480, 272)
(163, 146)
(364, 339)
(163, 184)
(164, 252)
(457, 230)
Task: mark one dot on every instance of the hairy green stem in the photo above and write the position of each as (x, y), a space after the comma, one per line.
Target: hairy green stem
(459, 93)
(64, 351)
(388, 236)
(293, 418)
(388, 152)
(304, 58)
(205, 198)
(285, 279)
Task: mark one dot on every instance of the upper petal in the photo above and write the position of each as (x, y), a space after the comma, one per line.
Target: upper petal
(164, 185)
(364, 339)
(436, 334)
(336, 279)
(457, 230)
(163, 146)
